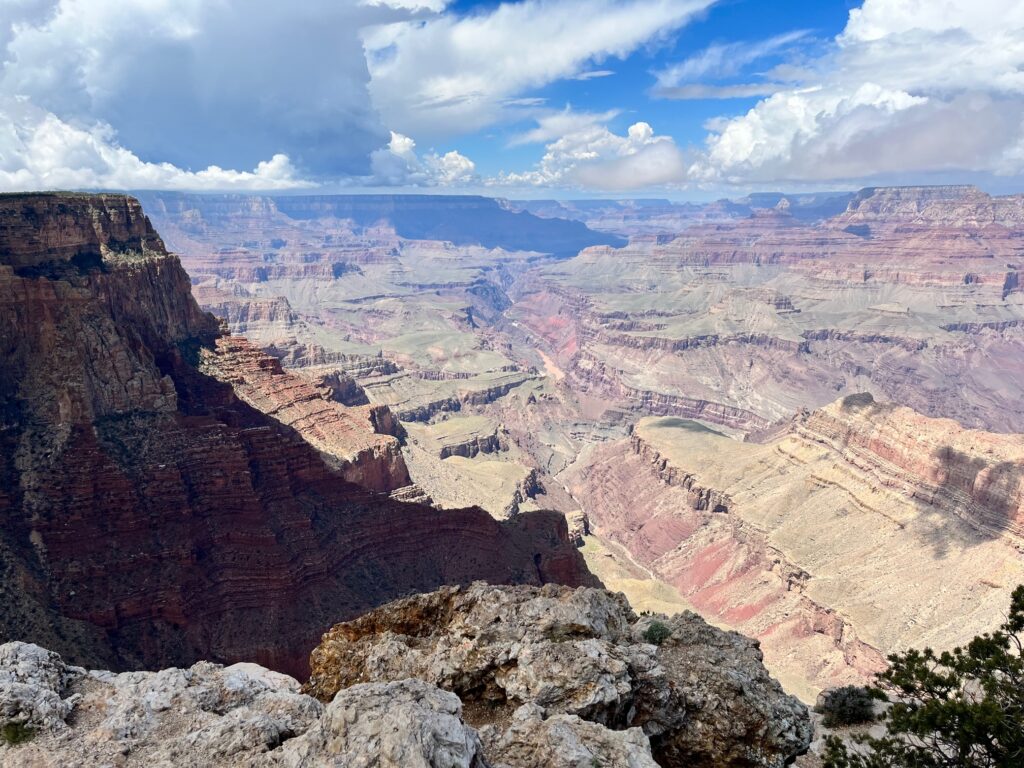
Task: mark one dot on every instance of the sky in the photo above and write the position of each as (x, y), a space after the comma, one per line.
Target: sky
(687, 99)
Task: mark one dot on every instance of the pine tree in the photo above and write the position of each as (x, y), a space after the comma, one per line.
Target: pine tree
(957, 709)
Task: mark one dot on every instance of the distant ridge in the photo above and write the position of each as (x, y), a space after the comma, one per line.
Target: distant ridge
(459, 219)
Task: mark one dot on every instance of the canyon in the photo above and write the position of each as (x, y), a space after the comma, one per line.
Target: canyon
(795, 413)
(170, 493)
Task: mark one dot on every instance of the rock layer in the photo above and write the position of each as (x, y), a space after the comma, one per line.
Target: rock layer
(152, 515)
(848, 533)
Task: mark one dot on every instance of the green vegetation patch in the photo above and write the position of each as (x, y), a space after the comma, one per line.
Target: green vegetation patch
(848, 705)
(657, 633)
(16, 733)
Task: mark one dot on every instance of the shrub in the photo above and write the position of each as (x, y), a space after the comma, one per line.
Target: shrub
(657, 633)
(15, 733)
(848, 705)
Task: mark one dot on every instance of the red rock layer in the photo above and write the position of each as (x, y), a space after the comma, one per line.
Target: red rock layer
(151, 517)
(977, 476)
(347, 436)
(726, 568)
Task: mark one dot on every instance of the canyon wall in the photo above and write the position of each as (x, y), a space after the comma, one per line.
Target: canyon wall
(517, 377)
(849, 533)
(912, 294)
(153, 513)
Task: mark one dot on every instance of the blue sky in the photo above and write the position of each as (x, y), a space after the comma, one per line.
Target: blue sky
(628, 88)
(537, 98)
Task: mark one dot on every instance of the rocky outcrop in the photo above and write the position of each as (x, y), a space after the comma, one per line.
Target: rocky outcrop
(475, 677)
(153, 514)
(703, 499)
(540, 668)
(354, 439)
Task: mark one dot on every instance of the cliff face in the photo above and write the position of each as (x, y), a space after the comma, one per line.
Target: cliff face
(967, 473)
(153, 514)
(844, 534)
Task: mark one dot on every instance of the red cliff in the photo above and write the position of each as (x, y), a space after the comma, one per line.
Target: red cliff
(152, 513)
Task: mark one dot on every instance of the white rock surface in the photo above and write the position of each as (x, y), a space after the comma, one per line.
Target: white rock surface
(404, 724)
(464, 677)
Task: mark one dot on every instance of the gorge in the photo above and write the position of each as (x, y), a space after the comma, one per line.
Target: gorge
(525, 379)
(799, 418)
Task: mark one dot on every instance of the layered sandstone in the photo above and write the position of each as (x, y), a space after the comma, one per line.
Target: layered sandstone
(152, 514)
(356, 439)
(912, 294)
(851, 532)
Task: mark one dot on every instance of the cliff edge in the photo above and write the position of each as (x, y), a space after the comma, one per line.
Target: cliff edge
(152, 515)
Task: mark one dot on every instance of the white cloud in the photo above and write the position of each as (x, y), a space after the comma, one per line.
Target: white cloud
(557, 124)
(593, 157)
(451, 75)
(197, 83)
(399, 165)
(910, 87)
(702, 91)
(722, 60)
(38, 150)
(593, 74)
(434, 6)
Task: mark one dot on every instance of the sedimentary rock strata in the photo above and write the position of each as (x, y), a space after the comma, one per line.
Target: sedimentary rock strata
(356, 439)
(851, 532)
(744, 315)
(911, 293)
(153, 513)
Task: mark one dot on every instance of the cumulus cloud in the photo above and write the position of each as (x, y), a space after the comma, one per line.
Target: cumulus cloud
(195, 84)
(909, 87)
(592, 156)
(38, 150)
(452, 74)
(399, 165)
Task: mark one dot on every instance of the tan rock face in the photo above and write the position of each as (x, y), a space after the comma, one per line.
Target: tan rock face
(153, 514)
(573, 662)
(849, 533)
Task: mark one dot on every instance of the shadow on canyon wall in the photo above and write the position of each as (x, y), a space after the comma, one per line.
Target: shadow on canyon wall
(973, 499)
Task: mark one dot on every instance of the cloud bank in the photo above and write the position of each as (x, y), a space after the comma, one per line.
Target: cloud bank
(454, 75)
(258, 94)
(910, 87)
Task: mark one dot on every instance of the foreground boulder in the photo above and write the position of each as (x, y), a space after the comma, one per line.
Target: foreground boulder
(532, 665)
(472, 677)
